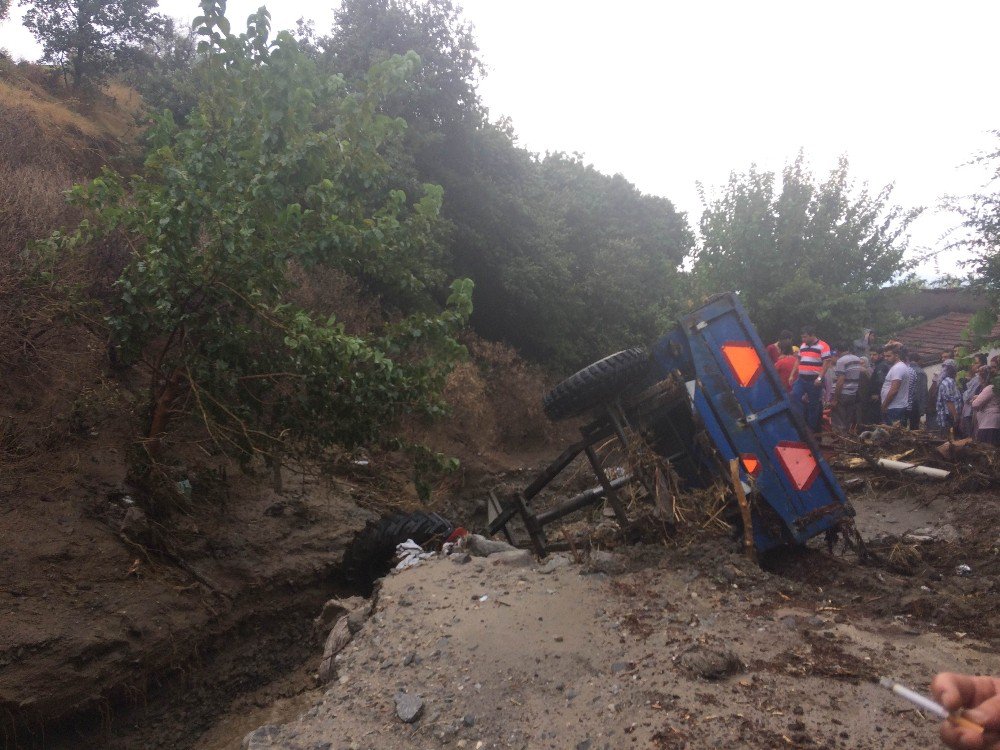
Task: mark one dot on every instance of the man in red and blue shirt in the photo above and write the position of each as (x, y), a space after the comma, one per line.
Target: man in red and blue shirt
(807, 391)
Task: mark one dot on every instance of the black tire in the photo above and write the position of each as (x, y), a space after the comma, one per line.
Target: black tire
(370, 555)
(596, 384)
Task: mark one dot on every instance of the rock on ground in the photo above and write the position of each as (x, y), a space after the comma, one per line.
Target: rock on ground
(409, 707)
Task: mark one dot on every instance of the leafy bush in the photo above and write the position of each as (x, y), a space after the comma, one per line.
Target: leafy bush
(279, 170)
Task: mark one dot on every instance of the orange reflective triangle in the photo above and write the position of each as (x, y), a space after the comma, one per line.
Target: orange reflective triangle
(751, 464)
(799, 463)
(743, 361)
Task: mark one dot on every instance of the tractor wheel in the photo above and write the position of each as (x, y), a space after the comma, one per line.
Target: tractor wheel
(596, 384)
(370, 554)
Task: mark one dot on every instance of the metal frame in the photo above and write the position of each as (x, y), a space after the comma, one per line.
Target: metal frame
(741, 416)
(613, 421)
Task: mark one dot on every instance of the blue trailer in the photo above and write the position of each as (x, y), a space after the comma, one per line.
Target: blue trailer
(708, 398)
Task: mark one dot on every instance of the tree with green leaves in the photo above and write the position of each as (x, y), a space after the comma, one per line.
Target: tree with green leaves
(444, 90)
(569, 263)
(981, 221)
(279, 169)
(599, 271)
(805, 251)
(980, 237)
(167, 72)
(4, 9)
(89, 39)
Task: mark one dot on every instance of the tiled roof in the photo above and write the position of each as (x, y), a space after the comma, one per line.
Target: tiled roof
(928, 339)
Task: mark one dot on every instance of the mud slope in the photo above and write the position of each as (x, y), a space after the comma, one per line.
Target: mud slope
(96, 627)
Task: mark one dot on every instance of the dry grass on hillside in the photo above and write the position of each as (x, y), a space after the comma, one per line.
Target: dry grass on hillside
(49, 359)
(495, 419)
(113, 112)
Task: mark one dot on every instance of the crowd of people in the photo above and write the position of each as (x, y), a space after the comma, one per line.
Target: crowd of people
(861, 385)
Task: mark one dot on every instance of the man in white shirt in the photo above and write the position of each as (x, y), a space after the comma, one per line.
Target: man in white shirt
(895, 389)
(844, 401)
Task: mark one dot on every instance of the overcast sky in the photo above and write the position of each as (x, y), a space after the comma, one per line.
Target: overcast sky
(671, 93)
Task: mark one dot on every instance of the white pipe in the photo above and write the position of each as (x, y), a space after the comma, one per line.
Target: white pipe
(926, 471)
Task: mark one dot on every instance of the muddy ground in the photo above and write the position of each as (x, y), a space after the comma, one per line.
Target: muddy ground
(117, 631)
(687, 644)
(197, 638)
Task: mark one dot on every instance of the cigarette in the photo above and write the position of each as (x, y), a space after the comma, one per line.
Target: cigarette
(955, 717)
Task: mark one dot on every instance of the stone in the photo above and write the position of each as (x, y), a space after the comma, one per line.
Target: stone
(946, 533)
(516, 558)
(357, 608)
(554, 563)
(409, 706)
(608, 563)
(469, 720)
(460, 558)
(480, 546)
(359, 614)
(261, 738)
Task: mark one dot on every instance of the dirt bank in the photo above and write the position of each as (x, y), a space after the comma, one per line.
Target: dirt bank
(98, 629)
(680, 646)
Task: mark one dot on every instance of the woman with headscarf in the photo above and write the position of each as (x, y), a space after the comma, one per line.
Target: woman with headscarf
(949, 398)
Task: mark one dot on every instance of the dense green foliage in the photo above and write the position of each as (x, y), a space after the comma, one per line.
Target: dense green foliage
(92, 38)
(568, 263)
(809, 252)
(169, 73)
(278, 168)
(981, 219)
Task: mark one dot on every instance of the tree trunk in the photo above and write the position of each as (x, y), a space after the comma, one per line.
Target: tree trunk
(82, 19)
(161, 413)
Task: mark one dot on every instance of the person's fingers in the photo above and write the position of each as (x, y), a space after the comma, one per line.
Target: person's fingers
(960, 738)
(945, 687)
(987, 713)
(955, 691)
(950, 735)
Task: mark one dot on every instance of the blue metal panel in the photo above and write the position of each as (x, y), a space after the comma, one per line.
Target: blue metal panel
(756, 418)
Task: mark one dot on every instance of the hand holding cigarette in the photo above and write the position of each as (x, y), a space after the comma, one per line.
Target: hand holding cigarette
(978, 699)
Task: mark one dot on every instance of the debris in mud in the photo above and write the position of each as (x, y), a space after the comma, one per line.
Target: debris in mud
(970, 465)
(608, 563)
(409, 554)
(820, 655)
(709, 663)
